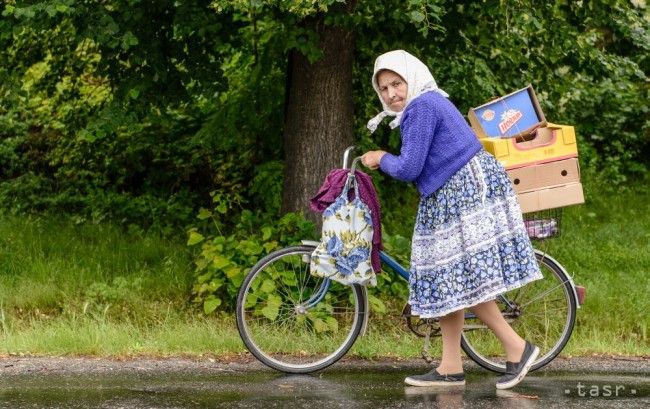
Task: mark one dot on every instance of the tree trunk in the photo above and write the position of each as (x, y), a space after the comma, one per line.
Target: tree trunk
(319, 117)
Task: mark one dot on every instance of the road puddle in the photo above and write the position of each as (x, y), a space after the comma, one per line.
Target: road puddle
(333, 388)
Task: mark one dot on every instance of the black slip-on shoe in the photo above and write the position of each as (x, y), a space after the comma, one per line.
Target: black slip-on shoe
(433, 378)
(515, 371)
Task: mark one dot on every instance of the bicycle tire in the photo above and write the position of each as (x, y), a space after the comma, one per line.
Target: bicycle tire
(296, 358)
(471, 343)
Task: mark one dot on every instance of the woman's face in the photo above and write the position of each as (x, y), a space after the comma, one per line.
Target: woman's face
(393, 89)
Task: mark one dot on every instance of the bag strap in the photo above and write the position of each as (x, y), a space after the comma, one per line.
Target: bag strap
(351, 180)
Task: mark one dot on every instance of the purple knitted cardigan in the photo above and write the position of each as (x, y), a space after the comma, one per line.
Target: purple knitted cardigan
(436, 143)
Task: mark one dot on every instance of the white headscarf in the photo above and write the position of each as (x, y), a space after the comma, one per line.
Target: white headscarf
(414, 72)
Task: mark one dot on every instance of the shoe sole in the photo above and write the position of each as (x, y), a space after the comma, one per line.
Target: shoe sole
(523, 373)
(415, 382)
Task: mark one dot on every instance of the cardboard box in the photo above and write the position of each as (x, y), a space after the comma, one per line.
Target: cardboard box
(545, 175)
(547, 144)
(551, 198)
(513, 115)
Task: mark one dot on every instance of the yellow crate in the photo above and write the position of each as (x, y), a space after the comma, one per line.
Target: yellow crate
(550, 143)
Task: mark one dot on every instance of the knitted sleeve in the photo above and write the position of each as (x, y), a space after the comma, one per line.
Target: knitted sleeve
(418, 126)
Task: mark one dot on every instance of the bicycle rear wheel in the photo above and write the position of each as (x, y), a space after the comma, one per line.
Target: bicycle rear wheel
(542, 312)
(292, 321)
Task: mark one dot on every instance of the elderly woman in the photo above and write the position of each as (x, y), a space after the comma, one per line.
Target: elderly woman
(469, 242)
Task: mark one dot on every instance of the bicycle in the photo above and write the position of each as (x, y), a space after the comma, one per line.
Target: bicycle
(297, 323)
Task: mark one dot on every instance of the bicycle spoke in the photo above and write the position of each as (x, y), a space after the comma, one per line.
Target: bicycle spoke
(543, 313)
(555, 300)
(545, 293)
(309, 282)
(549, 311)
(301, 283)
(287, 291)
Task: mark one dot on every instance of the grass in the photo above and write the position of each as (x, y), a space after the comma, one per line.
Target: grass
(60, 282)
(68, 289)
(173, 336)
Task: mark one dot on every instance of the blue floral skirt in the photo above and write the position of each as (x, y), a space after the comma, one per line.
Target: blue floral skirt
(469, 242)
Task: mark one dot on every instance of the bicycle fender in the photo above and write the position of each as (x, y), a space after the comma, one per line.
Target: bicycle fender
(366, 314)
(568, 276)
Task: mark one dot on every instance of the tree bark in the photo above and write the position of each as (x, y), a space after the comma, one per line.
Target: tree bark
(319, 117)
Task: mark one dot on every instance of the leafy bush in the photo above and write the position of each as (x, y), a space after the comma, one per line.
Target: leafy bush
(100, 296)
(226, 256)
(137, 119)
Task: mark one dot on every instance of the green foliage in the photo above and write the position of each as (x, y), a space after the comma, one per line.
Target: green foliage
(58, 268)
(134, 110)
(266, 187)
(100, 296)
(226, 257)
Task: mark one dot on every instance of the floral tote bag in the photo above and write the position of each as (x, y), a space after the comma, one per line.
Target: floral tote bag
(343, 253)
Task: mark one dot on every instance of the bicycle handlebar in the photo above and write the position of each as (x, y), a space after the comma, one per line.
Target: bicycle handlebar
(346, 159)
(346, 156)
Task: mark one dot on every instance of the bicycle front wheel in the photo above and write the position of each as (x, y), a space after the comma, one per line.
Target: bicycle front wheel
(292, 321)
(542, 312)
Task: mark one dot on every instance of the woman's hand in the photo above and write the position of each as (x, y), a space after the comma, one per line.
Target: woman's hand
(371, 159)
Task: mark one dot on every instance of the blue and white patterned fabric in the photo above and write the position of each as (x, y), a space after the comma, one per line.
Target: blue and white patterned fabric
(469, 242)
(343, 253)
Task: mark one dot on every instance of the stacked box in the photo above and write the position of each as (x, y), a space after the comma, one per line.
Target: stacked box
(547, 185)
(540, 157)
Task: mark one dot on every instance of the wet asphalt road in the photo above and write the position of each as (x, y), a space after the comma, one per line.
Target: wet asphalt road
(73, 383)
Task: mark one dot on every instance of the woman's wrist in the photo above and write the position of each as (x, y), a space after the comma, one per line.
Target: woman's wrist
(380, 155)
